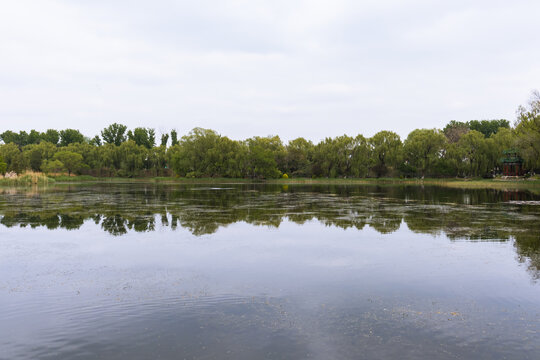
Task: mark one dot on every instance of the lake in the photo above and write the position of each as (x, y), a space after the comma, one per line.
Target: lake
(255, 271)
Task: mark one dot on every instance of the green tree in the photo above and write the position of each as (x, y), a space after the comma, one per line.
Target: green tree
(192, 156)
(70, 136)
(22, 138)
(9, 137)
(423, 147)
(151, 138)
(95, 141)
(107, 160)
(114, 134)
(360, 157)
(297, 157)
(131, 158)
(528, 131)
(52, 136)
(164, 139)
(262, 154)
(88, 152)
(488, 127)
(474, 149)
(174, 137)
(3, 166)
(157, 160)
(35, 154)
(72, 161)
(143, 137)
(52, 166)
(34, 137)
(233, 157)
(333, 157)
(34, 158)
(454, 130)
(204, 152)
(12, 155)
(504, 139)
(385, 149)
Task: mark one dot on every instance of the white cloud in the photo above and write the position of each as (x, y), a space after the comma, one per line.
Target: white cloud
(301, 68)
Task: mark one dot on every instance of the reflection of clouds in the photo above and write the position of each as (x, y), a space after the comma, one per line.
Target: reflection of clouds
(225, 324)
(315, 287)
(333, 261)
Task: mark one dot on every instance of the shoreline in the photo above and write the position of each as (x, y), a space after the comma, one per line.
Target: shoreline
(477, 183)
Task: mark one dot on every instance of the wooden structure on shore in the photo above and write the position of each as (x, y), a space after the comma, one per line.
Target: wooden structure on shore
(512, 163)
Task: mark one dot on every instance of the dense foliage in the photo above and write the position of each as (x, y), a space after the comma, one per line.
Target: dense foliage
(472, 148)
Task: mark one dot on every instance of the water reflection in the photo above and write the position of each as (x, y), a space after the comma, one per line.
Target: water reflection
(460, 214)
(255, 271)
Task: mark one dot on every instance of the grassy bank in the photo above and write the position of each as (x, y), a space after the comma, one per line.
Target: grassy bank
(465, 183)
(90, 179)
(478, 183)
(500, 184)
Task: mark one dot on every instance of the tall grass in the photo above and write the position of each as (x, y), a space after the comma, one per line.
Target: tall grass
(29, 178)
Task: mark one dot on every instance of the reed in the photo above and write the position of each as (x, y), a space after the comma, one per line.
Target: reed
(28, 178)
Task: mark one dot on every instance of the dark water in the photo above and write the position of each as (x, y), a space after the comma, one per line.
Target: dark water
(269, 272)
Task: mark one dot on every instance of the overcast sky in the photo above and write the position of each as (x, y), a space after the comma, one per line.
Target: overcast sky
(244, 68)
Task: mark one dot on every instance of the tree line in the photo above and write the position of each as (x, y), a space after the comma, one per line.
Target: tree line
(472, 148)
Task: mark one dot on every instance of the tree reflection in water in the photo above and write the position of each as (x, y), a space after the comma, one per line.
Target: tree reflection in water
(473, 215)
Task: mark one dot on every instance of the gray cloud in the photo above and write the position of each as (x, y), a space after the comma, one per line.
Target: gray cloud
(244, 68)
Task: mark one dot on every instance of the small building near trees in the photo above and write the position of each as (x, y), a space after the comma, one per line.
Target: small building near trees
(512, 163)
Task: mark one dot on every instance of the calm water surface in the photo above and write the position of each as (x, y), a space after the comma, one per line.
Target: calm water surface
(134, 271)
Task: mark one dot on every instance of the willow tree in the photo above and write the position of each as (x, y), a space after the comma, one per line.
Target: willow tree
(192, 156)
(297, 157)
(131, 158)
(360, 157)
(504, 139)
(528, 131)
(264, 154)
(454, 130)
(333, 157)
(474, 149)
(423, 147)
(385, 147)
